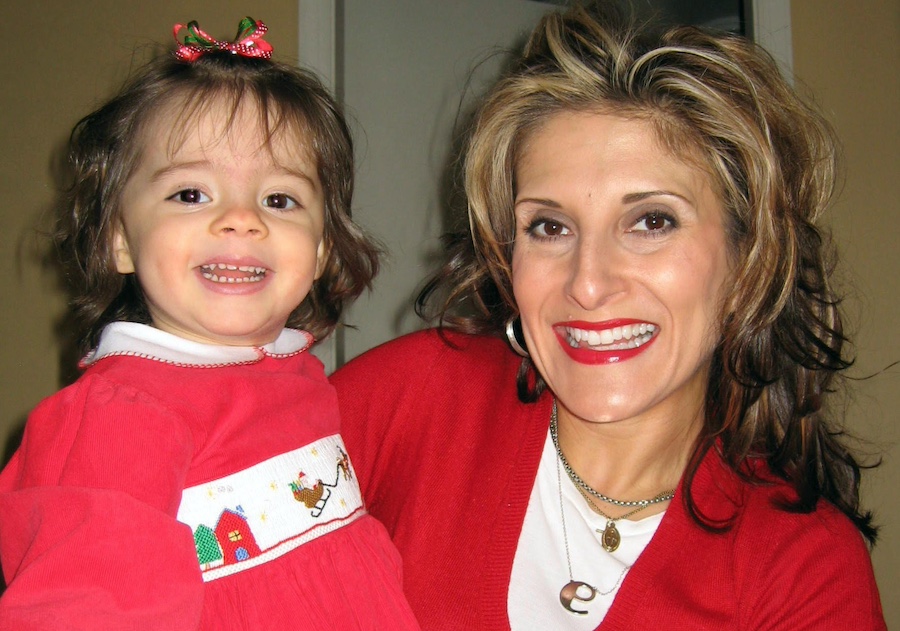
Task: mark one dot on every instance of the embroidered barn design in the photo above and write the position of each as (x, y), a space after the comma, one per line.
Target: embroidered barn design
(231, 541)
(255, 515)
(235, 537)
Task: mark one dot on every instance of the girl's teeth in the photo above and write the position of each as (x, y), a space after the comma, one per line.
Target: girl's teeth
(257, 273)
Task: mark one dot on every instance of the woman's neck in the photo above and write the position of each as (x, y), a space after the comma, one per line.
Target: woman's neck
(632, 459)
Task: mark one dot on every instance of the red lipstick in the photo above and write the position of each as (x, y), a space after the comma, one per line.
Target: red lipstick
(622, 339)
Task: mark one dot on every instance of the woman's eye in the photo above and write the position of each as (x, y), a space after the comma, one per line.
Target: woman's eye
(654, 222)
(546, 229)
(190, 196)
(280, 201)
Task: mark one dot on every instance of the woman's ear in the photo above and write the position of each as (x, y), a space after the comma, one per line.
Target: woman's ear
(121, 251)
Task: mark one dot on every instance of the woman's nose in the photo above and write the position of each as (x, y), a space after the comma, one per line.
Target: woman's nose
(596, 274)
(240, 219)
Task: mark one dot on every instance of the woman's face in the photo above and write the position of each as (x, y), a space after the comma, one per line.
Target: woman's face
(619, 268)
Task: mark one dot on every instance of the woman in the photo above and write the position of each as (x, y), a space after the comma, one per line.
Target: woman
(642, 217)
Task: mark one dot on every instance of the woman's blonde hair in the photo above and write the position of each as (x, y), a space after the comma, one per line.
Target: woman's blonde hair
(771, 157)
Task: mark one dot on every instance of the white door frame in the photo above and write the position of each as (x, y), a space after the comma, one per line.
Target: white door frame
(318, 50)
(319, 42)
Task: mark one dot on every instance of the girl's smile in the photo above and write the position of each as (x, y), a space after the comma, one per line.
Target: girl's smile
(228, 273)
(224, 232)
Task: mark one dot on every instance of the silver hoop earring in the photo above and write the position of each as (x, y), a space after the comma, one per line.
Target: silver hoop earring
(514, 342)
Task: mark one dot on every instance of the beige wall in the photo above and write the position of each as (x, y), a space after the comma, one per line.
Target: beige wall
(62, 59)
(846, 52)
(848, 55)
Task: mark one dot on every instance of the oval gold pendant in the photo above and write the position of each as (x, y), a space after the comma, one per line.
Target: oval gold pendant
(611, 538)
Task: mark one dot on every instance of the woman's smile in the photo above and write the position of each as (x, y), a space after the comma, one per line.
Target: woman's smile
(619, 268)
(605, 342)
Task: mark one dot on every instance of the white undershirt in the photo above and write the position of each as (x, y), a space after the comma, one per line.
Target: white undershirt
(540, 570)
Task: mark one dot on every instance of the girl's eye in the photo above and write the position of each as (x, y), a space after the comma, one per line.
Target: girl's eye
(654, 222)
(280, 201)
(190, 196)
(546, 229)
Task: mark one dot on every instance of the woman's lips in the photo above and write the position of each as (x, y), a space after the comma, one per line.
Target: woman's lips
(605, 342)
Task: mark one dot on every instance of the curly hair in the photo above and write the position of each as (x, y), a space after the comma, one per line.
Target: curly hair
(105, 147)
(772, 158)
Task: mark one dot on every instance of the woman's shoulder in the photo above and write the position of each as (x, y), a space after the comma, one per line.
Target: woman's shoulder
(428, 351)
(770, 500)
(428, 376)
(785, 561)
(807, 553)
(764, 508)
(821, 536)
(440, 341)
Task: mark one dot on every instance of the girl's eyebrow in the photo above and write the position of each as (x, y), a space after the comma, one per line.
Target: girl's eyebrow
(538, 200)
(297, 173)
(178, 166)
(201, 164)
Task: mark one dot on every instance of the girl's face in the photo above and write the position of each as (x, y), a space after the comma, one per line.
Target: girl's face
(224, 232)
(619, 267)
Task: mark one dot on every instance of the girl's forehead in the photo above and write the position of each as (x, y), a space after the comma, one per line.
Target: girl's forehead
(181, 125)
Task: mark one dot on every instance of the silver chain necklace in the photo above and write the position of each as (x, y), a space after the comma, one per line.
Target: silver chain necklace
(569, 592)
(665, 496)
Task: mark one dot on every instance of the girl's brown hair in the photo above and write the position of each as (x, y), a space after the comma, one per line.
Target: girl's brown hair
(105, 147)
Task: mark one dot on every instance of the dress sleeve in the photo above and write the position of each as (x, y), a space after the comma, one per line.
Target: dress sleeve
(88, 535)
(818, 575)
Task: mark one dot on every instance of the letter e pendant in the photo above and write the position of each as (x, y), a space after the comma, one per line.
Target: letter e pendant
(570, 592)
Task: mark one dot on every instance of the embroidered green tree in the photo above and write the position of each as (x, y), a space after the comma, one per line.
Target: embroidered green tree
(208, 549)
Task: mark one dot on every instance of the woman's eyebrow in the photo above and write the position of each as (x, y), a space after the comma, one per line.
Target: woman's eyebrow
(631, 198)
(538, 200)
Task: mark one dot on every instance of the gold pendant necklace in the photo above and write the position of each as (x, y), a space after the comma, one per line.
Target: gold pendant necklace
(569, 592)
(609, 536)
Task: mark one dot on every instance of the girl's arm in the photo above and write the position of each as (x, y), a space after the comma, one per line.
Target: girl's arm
(88, 535)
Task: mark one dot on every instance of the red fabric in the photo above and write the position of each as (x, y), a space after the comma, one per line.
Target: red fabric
(447, 456)
(88, 535)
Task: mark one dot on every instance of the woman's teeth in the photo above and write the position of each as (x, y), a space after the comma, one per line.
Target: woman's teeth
(224, 273)
(615, 339)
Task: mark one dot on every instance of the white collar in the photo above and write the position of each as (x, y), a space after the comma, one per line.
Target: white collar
(141, 340)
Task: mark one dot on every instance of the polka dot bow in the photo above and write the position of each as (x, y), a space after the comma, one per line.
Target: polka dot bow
(249, 41)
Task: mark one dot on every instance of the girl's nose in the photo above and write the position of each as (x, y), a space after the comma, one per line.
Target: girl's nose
(240, 219)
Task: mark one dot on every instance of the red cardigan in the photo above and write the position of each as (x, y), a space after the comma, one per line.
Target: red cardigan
(447, 457)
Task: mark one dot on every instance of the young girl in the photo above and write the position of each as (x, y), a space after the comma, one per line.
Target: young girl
(194, 476)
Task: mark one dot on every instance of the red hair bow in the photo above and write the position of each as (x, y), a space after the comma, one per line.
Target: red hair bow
(247, 43)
